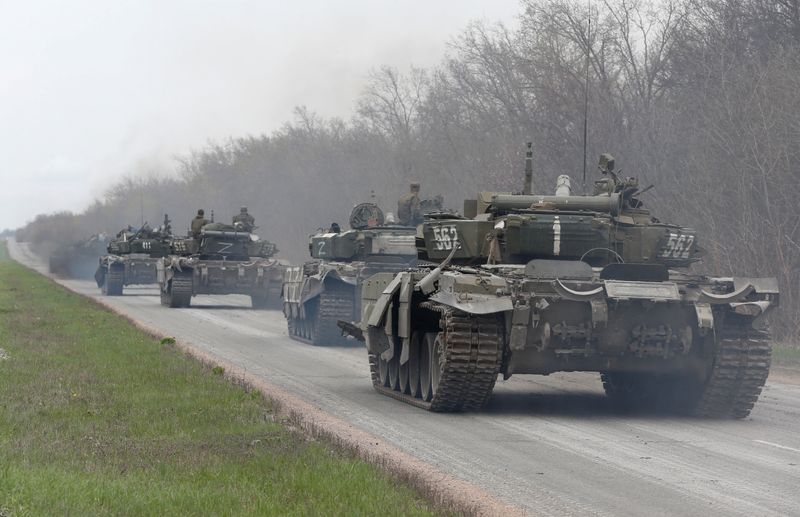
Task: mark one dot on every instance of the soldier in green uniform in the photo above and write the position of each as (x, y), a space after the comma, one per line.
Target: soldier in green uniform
(247, 220)
(408, 207)
(197, 223)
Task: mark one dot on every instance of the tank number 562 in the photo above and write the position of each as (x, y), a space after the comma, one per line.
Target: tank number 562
(444, 237)
(678, 246)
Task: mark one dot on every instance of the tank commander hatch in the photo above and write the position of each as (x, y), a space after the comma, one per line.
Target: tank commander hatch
(408, 207)
(197, 223)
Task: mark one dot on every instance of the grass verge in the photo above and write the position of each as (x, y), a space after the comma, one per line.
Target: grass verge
(97, 418)
(786, 356)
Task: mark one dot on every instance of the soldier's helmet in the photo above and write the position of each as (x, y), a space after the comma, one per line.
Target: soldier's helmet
(201, 212)
(243, 209)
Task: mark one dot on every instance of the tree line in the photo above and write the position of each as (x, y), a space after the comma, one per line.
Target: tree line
(699, 97)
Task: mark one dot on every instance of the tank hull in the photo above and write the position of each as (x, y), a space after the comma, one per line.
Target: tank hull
(319, 294)
(686, 342)
(135, 269)
(185, 277)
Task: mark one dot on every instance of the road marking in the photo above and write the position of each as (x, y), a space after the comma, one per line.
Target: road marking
(779, 446)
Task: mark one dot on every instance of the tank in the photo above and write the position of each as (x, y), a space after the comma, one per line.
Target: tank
(225, 259)
(327, 289)
(536, 284)
(78, 259)
(132, 257)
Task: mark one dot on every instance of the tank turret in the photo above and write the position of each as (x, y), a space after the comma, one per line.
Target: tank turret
(609, 227)
(369, 237)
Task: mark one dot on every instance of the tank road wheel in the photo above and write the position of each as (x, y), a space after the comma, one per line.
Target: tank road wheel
(412, 365)
(383, 371)
(426, 366)
(437, 362)
(465, 358)
(454, 369)
(394, 371)
(113, 281)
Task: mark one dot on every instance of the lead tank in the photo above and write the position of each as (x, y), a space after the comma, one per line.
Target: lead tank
(534, 284)
(225, 259)
(132, 258)
(327, 289)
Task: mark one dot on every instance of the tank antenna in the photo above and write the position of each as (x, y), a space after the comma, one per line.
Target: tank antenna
(528, 186)
(586, 97)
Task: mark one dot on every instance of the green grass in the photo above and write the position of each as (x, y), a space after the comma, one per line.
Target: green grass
(97, 418)
(787, 356)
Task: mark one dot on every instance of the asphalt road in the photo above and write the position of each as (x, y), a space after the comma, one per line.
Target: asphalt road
(551, 444)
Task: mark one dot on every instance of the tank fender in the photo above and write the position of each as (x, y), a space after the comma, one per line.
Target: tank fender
(100, 274)
(377, 341)
(316, 284)
(738, 295)
(404, 318)
(160, 275)
(474, 303)
(376, 315)
(765, 285)
(290, 290)
(473, 293)
(575, 295)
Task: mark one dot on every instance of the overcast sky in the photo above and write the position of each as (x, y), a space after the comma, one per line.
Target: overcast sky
(93, 90)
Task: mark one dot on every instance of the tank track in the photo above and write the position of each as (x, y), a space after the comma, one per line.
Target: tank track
(741, 367)
(113, 281)
(181, 291)
(333, 305)
(473, 355)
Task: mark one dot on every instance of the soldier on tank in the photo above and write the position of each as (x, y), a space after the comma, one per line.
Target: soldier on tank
(247, 221)
(408, 207)
(197, 223)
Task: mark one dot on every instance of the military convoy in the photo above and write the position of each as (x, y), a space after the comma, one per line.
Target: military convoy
(132, 257)
(221, 259)
(327, 289)
(520, 283)
(535, 284)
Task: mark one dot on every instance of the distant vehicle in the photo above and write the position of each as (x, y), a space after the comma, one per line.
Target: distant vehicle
(328, 288)
(536, 284)
(77, 260)
(225, 259)
(132, 257)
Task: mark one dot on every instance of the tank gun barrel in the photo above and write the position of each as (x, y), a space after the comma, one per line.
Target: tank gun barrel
(226, 233)
(609, 204)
